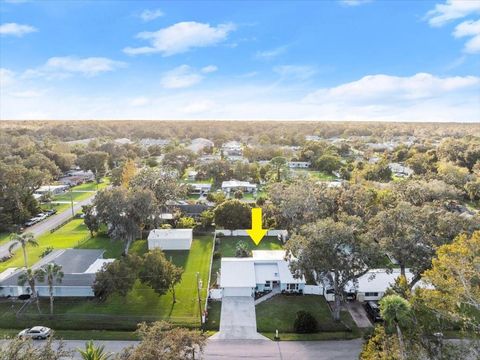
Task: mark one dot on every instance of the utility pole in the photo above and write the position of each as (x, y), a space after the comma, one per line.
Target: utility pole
(71, 202)
(199, 287)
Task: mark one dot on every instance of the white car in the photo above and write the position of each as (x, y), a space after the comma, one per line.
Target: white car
(36, 332)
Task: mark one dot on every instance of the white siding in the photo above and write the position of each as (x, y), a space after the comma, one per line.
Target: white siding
(170, 244)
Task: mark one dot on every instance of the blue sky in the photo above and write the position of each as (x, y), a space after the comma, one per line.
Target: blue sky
(325, 60)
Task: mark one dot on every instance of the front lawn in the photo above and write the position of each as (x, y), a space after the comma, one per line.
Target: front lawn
(279, 313)
(4, 237)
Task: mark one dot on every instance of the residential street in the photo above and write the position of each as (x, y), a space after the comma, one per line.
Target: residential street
(49, 223)
(257, 349)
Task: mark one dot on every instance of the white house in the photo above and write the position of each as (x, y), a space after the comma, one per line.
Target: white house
(400, 170)
(79, 267)
(192, 175)
(170, 239)
(198, 144)
(199, 188)
(232, 148)
(266, 270)
(299, 164)
(234, 185)
(372, 285)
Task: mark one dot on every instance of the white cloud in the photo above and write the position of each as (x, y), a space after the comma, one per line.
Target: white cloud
(421, 97)
(470, 29)
(379, 89)
(149, 15)
(452, 10)
(354, 2)
(140, 101)
(209, 69)
(7, 77)
(180, 77)
(181, 37)
(61, 67)
(299, 72)
(270, 54)
(15, 29)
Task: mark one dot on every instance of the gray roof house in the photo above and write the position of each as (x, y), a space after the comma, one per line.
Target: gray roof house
(79, 267)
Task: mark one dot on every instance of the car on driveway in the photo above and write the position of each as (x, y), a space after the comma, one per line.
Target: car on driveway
(373, 311)
(36, 333)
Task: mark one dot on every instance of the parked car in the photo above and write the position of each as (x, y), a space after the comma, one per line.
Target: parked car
(373, 311)
(36, 332)
(32, 221)
(51, 212)
(42, 216)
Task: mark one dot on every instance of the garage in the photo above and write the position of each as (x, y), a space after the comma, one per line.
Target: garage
(237, 291)
(237, 277)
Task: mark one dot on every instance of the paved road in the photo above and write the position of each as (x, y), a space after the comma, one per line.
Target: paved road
(256, 349)
(48, 224)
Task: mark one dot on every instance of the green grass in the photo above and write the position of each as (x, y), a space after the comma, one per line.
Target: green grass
(76, 196)
(228, 245)
(81, 334)
(320, 336)
(280, 311)
(142, 303)
(68, 236)
(316, 174)
(213, 320)
(4, 237)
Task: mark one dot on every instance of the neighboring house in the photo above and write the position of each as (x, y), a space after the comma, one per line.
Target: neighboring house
(192, 175)
(123, 141)
(199, 189)
(170, 239)
(76, 177)
(400, 170)
(299, 164)
(232, 148)
(197, 145)
(234, 185)
(205, 159)
(153, 142)
(266, 270)
(54, 189)
(372, 285)
(79, 267)
(193, 210)
(80, 142)
(313, 138)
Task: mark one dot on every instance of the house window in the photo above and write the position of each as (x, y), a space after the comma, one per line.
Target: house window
(292, 286)
(371, 294)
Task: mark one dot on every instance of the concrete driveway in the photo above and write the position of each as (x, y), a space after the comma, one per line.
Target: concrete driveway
(238, 319)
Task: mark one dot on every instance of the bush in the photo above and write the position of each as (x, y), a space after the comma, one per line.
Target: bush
(242, 250)
(305, 323)
(217, 255)
(238, 194)
(47, 251)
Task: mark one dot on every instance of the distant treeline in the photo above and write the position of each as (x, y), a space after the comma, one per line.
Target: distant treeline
(259, 132)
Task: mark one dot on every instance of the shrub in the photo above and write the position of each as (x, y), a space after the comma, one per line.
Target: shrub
(242, 250)
(217, 255)
(305, 323)
(47, 251)
(238, 194)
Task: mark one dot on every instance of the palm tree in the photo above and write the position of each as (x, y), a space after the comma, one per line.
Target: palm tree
(54, 274)
(396, 311)
(30, 276)
(93, 352)
(23, 240)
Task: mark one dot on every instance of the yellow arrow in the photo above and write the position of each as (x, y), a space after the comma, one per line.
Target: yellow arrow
(256, 232)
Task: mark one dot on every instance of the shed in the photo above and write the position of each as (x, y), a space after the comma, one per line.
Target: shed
(170, 239)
